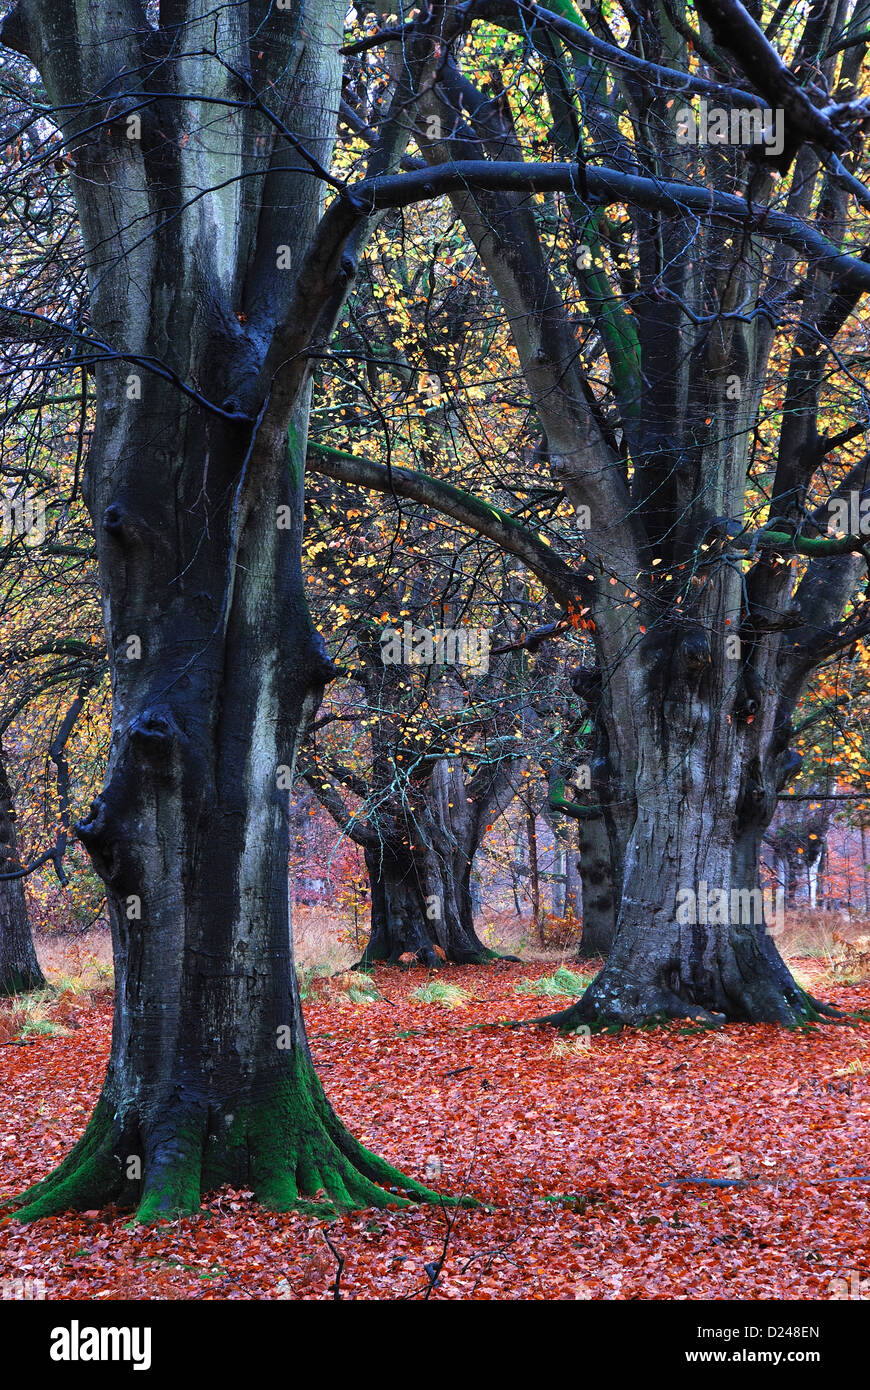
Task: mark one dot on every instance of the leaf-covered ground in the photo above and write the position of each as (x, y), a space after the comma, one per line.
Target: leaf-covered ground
(577, 1146)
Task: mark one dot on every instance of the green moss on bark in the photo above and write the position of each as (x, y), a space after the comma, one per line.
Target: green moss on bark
(288, 1143)
(300, 1150)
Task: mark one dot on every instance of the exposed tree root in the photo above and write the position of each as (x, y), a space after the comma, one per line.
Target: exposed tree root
(289, 1145)
(751, 985)
(429, 957)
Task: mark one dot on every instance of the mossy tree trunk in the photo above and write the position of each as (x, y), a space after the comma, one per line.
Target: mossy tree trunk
(208, 305)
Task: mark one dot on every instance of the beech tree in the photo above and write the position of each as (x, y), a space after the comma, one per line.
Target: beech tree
(437, 780)
(198, 143)
(19, 967)
(701, 257)
(414, 758)
(796, 840)
(600, 835)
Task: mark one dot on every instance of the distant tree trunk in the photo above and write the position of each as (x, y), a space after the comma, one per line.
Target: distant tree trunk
(573, 881)
(557, 888)
(476, 895)
(790, 884)
(515, 889)
(783, 876)
(534, 873)
(420, 876)
(600, 889)
(19, 967)
(421, 909)
(602, 833)
(603, 813)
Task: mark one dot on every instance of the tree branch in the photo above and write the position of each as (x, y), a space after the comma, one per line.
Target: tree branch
(565, 584)
(734, 29)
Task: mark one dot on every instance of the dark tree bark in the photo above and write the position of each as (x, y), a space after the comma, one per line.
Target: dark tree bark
(421, 828)
(421, 897)
(420, 910)
(534, 875)
(215, 662)
(19, 967)
(600, 889)
(707, 784)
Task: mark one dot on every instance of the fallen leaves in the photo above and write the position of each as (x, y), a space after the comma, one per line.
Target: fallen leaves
(576, 1148)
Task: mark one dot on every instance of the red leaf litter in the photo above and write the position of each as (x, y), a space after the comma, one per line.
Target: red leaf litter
(574, 1146)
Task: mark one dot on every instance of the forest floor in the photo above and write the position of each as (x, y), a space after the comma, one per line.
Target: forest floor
(578, 1144)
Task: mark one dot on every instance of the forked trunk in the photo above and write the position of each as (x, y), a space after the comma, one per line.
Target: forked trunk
(210, 1078)
(421, 896)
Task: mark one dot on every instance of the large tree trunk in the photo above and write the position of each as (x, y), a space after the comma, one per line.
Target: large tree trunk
(673, 711)
(691, 939)
(19, 967)
(214, 659)
(210, 1078)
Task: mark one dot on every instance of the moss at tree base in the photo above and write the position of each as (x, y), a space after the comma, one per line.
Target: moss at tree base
(287, 1144)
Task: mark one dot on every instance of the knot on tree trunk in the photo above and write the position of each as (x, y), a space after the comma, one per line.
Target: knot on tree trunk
(128, 527)
(677, 657)
(100, 836)
(150, 764)
(155, 730)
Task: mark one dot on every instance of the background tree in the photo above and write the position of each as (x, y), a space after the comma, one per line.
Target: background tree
(655, 303)
(19, 967)
(430, 753)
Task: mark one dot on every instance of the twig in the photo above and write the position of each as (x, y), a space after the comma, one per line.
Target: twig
(339, 1260)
